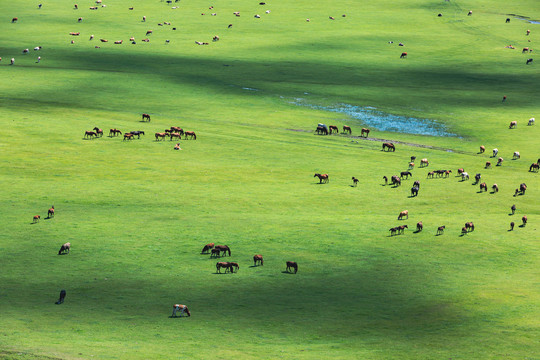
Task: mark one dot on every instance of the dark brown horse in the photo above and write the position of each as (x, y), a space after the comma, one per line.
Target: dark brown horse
(388, 147)
(365, 131)
(524, 220)
(534, 167)
(333, 128)
(495, 188)
(177, 130)
(355, 181)
(469, 226)
(522, 188)
(36, 218)
(396, 181)
(482, 149)
(50, 213)
(224, 249)
(215, 253)
(114, 132)
(175, 135)
(323, 178)
(207, 248)
(419, 226)
(99, 132)
(483, 186)
(292, 265)
(190, 134)
(488, 164)
(405, 174)
(346, 129)
(234, 266)
(145, 116)
(440, 230)
(90, 134)
(226, 265)
(258, 258)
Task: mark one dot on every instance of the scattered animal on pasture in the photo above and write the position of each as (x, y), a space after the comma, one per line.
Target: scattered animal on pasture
(531, 122)
(50, 213)
(36, 218)
(145, 117)
(534, 167)
(291, 265)
(414, 191)
(258, 259)
(224, 249)
(495, 188)
(403, 214)
(355, 181)
(365, 131)
(90, 134)
(440, 230)
(419, 226)
(500, 161)
(190, 134)
(183, 309)
(483, 186)
(114, 132)
(347, 129)
(405, 174)
(207, 248)
(65, 249)
(403, 55)
(512, 226)
(513, 125)
(333, 128)
(516, 155)
(388, 147)
(524, 220)
(323, 178)
(424, 162)
(482, 149)
(61, 298)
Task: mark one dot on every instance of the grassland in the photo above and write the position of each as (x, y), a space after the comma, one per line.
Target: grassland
(137, 213)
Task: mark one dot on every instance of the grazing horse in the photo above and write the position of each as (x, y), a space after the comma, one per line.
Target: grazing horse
(161, 136)
(529, 61)
(207, 248)
(333, 128)
(524, 220)
(525, 50)
(223, 264)
(405, 174)
(469, 226)
(64, 248)
(61, 298)
(411, 165)
(323, 178)
(14, 20)
(513, 124)
(137, 133)
(355, 181)
(403, 55)
(388, 146)
(512, 226)
(175, 135)
(114, 132)
(145, 116)
(347, 128)
(404, 213)
(500, 161)
(477, 178)
(234, 266)
(513, 208)
(534, 166)
(419, 226)
(495, 152)
(258, 258)
(464, 176)
(522, 188)
(516, 155)
(365, 131)
(417, 184)
(215, 253)
(90, 134)
(224, 249)
(396, 181)
(177, 130)
(191, 135)
(424, 162)
(385, 180)
(495, 188)
(488, 164)
(414, 191)
(531, 122)
(463, 230)
(128, 136)
(321, 129)
(99, 131)
(401, 229)
(440, 230)
(431, 174)
(393, 231)
(460, 171)
(292, 265)
(482, 149)
(50, 213)
(483, 186)
(36, 218)
(180, 308)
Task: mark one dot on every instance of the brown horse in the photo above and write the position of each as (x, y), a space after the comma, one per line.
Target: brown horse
(388, 147)
(333, 128)
(440, 230)
(226, 265)
(114, 132)
(401, 229)
(161, 136)
(534, 167)
(404, 213)
(396, 181)
(347, 128)
(524, 220)
(224, 249)
(215, 253)
(36, 218)
(419, 226)
(469, 226)
(323, 178)
(99, 132)
(191, 135)
(90, 134)
(488, 165)
(292, 265)
(177, 130)
(483, 186)
(403, 55)
(234, 266)
(365, 131)
(50, 213)
(355, 181)
(495, 188)
(207, 248)
(180, 308)
(64, 248)
(522, 188)
(482, 149)
(258, 258)
(500, 161)
(513, 124)
(175, 135)
(145, 116)
(129, 136)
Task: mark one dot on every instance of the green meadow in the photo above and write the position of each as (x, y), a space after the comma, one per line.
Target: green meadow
(137, 213)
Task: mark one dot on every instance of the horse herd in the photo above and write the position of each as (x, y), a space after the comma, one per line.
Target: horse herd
(322, 129)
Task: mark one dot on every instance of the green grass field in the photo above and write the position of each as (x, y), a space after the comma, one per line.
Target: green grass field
(137, 213)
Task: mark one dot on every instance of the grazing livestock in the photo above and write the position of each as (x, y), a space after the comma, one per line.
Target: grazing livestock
(145, 116)
(215, 38)
(114, 132)
(74, 33)
(25, 51)
(258, 258)
(419, 226)
(257, 16)
(393, 231)
(522, 188)
(500, 161)
(322, 129)
(403, 55)
(190, 134)
(80, 19)
(404, 213)
(224, 249)
(516, 155)
(507, 20)
(401, 229)
(528, 32)
(161, 136)
(464, 176)
(323, 178)
(388, 147)
(513, 125)
(469, 226)
(119, 42)
(440, 230)
(431, 174)
(229, 26)
(215, 253)
(347, 129)
(411, 165)
(524, 220)
(477, 178)
(460, 171)
(226, 265)
(534, 167)
(64, 248)
(414, 191)
(175, 136)
(137, 133)
(525, 50)
(36, 218)
(488, 165)
(62, 297)
(482, 149)
(355, 181)
(385, 180)
(396, 180)
(93, 8)
(99, 132)
(50, 213)
(504, 97)
(463, 230)
(470, 13)
(90, 134)
(14, 20)
(405, 174)
(413, 158)
(417, 184)
(207, 248)
(528, 61)
(292, 265)
(180, 308)
(149, 32)
(424, 162)
(495, 188)
(331, 18)
(144, 18)
(128, 136)
(103, 40)
(334, 128)
(234, 266)
(512, 226)
(531, 122)
(495, 152)
(483, 186)
(365, 131)
(513, 209)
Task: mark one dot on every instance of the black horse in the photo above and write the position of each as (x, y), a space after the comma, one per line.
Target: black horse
(405, 174)
(137, 133)
(414, 191)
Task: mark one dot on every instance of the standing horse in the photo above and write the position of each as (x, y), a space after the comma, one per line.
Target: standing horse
(323, 178)
(114, 132)
(224, 249)
(177, 130)
(405, 174)
(50, 213)
(215, 253)
(396, 181)
(321, 129)
(483, 186)
(292, 265)
(233, 266)
(469, 226)
(258, 258)
(513, 125)
(440, 230)
(64, 248)
(175, 135)
(419, 226)
(482, 149)
(191, 135)
(516, 155)
(417, 184)
(404, 213)
(347, 128)
(522, 188)
(99, 132)
(90, 134)
(500, 161)
(355, 181)
(36, 218)
(207, 248)
(414, 191)
(477, 178)
(403, 55)
(495, 188)
(524, 220)
(137, 133)
(365, 131)
(388, 147)
(534, 167)
(145, 116)
(161, 136)
(128, 136)
(222, 264)
(464, 176)
(333, 128)
(180, 308)
(488, 165)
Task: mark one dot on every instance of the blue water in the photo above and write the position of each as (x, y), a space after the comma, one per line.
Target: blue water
(371, 117)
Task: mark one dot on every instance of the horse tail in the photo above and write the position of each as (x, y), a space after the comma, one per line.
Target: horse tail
(229, 250)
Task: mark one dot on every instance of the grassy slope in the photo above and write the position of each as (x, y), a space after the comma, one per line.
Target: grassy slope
(138, 213)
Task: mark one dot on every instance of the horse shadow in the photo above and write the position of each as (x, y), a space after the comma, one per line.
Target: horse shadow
(522, 225)
(417, 231)
(287, 272)
(47, 218)
(63, 254)
(492, 192)
(510, 230)
(510, 214)
(252, 266)
(411, 196)
(178, 317)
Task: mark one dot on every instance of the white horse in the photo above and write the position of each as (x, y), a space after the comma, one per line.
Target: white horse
(495, 152)
(516, 155)
(181, 308)
(464, 176)
(531, 121)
